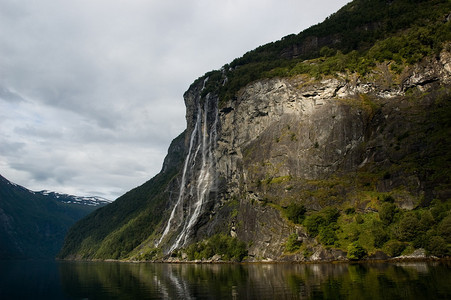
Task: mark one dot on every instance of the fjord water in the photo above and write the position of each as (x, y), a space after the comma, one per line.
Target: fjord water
(112, 280)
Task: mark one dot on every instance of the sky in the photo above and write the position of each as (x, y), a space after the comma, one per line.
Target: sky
(91, 91)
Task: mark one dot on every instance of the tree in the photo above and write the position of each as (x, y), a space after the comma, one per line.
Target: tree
(408, 227)
(437, 246)
(293, 243)
(394, 248)
(380, 235)
(426, 221)
(327, 52)
(327, 235)
(295, 213)
(444, 229)
(313, 224)
(387, 212)
(330, 214)
(356, 251)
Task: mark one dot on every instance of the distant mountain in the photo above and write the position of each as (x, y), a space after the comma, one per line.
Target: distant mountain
(71, 199)
(33, 224)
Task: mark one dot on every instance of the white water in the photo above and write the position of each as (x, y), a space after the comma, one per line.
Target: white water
(204, 137)
(204, 180)
(183, 181)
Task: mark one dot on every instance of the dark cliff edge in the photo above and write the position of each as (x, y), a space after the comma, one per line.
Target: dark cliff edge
(329, 145)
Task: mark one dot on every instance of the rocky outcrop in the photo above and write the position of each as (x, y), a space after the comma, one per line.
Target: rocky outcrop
(321, 163)
(309, 141)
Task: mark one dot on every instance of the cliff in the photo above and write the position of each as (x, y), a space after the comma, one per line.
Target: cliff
(321, 159)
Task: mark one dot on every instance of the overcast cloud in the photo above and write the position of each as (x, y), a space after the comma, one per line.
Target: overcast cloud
(91, 91)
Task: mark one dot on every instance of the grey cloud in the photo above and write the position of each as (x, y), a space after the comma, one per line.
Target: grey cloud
(91, 91)
(11, 148)
(49, 172)
(8, 95)
(42, 133)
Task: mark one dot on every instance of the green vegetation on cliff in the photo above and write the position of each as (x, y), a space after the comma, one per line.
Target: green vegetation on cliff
(389, 188)
(226, 247)
(401, 179)
(393, 230)
(354, 39)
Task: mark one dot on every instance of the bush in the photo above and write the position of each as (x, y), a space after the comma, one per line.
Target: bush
(313, 224)
(353, 233)
(444, 229)
(327, 52)
(408, 227)
(380, 235)
(439, 210)
(359, 219)
(388, 198)
(151, 254)
(394, 248)
(295, 213)
(387, 212)
(192, 250)
(325, 220)
(230, 248)
(327, 235)
(330, 214)
(426, 221)
(356, 251)
(350, 210)
(437, 246)
(293, 244)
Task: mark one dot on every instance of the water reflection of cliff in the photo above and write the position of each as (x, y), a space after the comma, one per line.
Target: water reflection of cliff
(190, 281)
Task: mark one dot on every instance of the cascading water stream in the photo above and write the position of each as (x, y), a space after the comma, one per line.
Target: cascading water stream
(183, 181)
(205, 178)
(203, 140)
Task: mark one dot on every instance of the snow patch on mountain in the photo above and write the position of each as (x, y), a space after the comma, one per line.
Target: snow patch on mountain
(71, 199)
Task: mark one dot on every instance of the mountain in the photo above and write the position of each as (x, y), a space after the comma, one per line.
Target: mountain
(94, 201)
(33, 224)
(332, 144)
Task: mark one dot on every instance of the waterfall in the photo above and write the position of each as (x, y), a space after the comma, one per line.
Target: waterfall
(197, 174)
(205, 178)
(183, 181)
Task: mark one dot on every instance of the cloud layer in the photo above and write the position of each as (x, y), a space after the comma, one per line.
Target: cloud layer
(91, 91)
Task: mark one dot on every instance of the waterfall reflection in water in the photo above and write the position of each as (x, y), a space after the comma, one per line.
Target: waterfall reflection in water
(112, 280)
(256, 281)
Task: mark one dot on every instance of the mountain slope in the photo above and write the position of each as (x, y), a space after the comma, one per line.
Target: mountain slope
(33, 224)
(115, 230)
(329, 144)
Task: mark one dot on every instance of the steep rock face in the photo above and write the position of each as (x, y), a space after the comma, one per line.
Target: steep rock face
(197, 180)
(300, 127)
(316, 142)
(352, 135)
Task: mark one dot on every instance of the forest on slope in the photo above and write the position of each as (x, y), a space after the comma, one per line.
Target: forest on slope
(34, 224)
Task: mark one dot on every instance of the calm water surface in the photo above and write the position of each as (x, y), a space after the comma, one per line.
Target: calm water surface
(108, 280)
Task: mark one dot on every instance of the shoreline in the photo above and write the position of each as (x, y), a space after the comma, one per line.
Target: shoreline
(399, 259)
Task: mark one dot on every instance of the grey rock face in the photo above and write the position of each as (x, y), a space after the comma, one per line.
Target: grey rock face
(283, 140)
